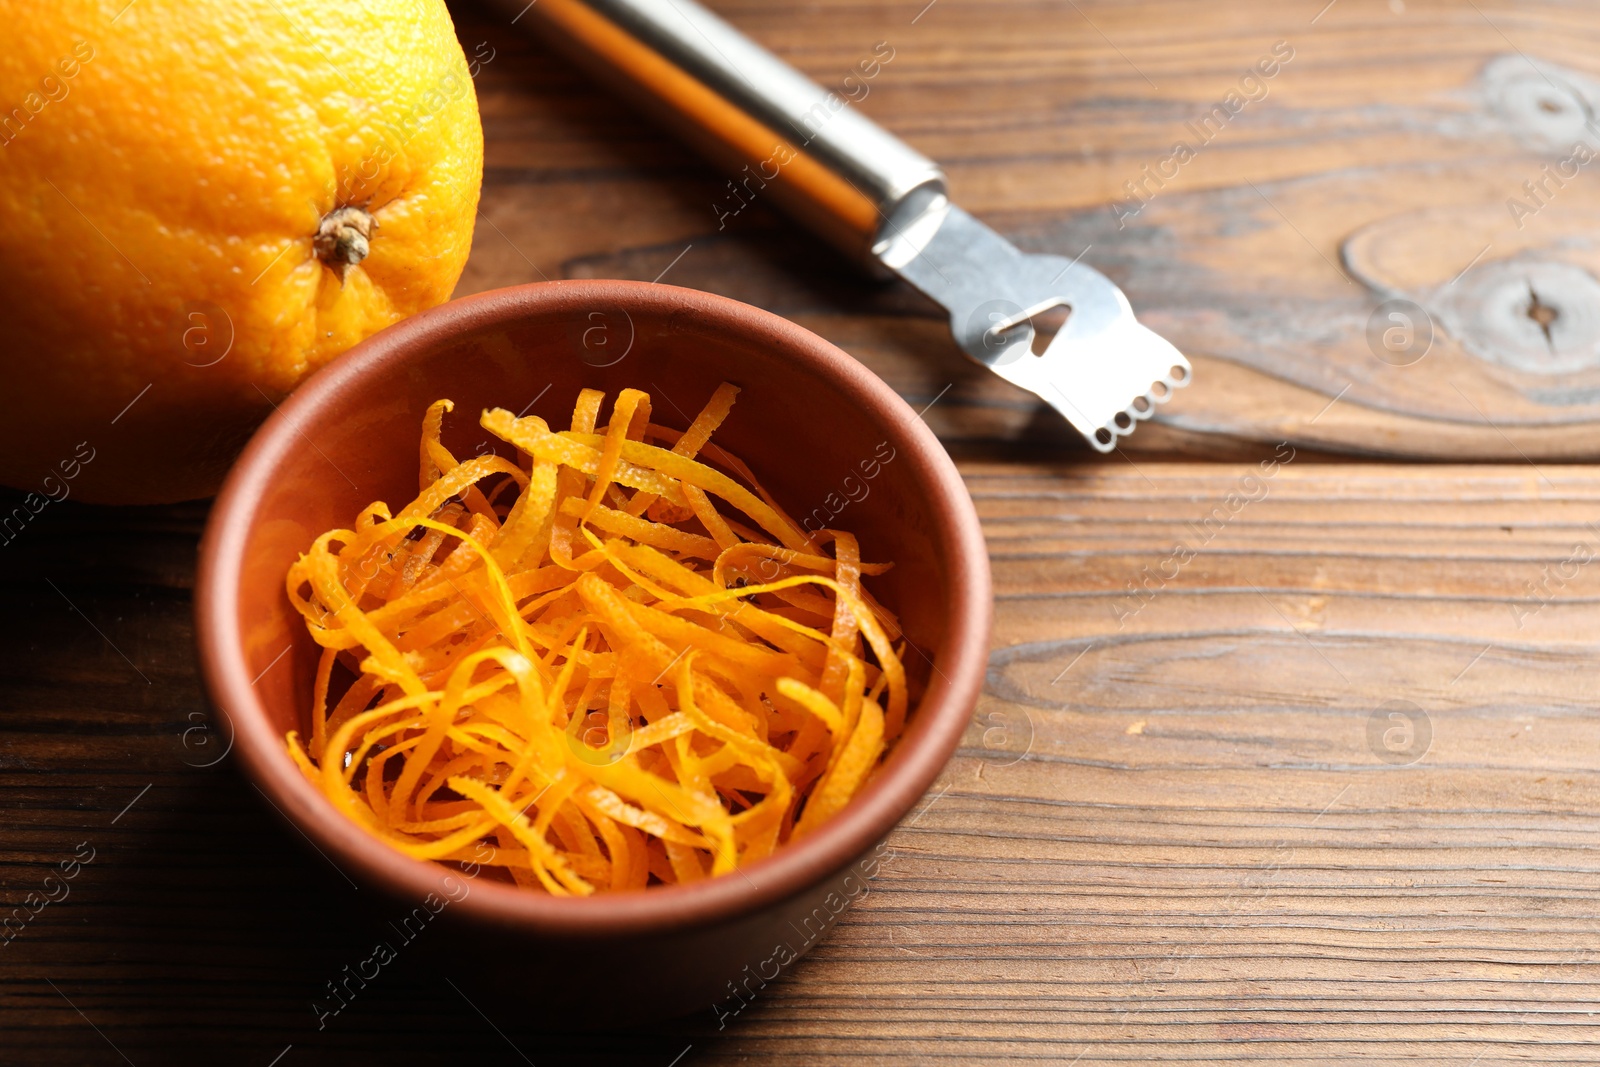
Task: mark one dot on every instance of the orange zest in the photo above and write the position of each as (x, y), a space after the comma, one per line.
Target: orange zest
(604, 665)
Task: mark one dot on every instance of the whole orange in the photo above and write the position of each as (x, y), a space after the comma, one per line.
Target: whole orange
(200, 204)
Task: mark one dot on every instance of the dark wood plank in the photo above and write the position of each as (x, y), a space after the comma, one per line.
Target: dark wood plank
(1375, 164)
(1169, 840)
(1183, 826)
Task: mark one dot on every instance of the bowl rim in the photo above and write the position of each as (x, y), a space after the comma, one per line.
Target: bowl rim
(943, 714)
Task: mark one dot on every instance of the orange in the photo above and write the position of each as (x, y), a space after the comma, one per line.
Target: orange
(202, 203)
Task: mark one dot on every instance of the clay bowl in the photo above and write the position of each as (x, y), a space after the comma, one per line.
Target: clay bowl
(834, 444)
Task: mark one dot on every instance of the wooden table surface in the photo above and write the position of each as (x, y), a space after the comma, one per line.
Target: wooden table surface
(1288, 749)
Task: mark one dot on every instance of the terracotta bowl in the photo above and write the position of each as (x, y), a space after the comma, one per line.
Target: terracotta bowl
(834, 444)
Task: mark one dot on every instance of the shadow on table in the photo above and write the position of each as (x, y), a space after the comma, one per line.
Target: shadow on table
(199, 928)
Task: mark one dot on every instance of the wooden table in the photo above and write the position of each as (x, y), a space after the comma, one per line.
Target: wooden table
(1318, 786)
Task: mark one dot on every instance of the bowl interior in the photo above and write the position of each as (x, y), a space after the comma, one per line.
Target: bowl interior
(833, 444)
(820, 447)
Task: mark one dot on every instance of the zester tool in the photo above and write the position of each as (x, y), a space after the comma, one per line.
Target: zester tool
(810, 150)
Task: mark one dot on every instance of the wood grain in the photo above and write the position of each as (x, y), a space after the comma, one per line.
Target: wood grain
(1265, 256)
(1274, 769)
(1169, 840)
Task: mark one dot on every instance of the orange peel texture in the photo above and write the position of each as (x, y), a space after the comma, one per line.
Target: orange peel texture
(203, 203)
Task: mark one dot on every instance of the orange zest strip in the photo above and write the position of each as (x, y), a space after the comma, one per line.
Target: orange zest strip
(612, 665)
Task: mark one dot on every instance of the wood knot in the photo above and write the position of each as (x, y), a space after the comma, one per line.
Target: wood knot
(1543, 104)
(1541, 316)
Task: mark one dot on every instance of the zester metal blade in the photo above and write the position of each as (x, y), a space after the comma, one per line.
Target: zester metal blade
(1103, 371)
